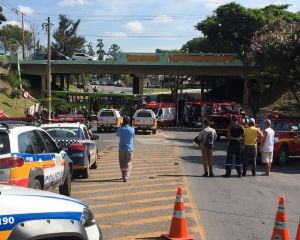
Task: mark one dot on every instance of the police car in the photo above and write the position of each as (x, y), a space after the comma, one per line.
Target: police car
(108, 119)
(76, 140)
(33, 214)
(29, 157)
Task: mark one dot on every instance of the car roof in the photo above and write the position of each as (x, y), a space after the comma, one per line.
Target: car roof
(62, 125)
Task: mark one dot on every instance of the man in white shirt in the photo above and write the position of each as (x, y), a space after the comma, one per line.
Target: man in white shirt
(267, 147)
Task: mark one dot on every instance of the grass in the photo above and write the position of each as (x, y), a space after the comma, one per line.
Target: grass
(155, 90)
(3, 58)
(12, 107)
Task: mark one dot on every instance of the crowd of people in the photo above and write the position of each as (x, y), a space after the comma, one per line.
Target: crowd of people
(242, 147)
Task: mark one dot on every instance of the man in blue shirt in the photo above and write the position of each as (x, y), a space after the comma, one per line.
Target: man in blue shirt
(126, 147)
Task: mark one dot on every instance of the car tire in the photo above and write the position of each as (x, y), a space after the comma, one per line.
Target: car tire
(36, 184)
(154, 131)
(95, 164)
(65, 189)
(86, 172)
(283, 155)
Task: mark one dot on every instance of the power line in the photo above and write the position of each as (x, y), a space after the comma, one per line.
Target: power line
(137, 36)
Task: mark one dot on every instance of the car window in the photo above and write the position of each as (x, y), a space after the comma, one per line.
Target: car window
(4, 143)
(86, 133)
(26, 142)
(144, 114)
(295, 127)
(107, 114)
(38, 144)
(51, 145)
(63, 133)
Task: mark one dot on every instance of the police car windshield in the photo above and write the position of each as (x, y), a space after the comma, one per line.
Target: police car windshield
(107, 114)
(63, 133)
(144, 114)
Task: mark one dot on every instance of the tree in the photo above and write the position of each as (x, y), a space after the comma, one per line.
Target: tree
(100, 52)
(275, 51)
(11, 36)
(90, 49)
(2, 17)
(66, 40)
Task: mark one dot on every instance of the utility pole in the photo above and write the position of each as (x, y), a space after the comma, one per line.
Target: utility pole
(47, 27)
(23, 36)
(23, 31)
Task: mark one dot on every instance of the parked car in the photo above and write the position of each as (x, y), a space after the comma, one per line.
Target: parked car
(145, 120)
(54, 56)
(76, 140)
(28, 214)
(108, 119)
(287, 138)
(29, 157)
(83, 57)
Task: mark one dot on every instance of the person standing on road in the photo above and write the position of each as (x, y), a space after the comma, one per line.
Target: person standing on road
(126, 147)
(250, 146)
(207, 137)
(235, 135)
(267, 146)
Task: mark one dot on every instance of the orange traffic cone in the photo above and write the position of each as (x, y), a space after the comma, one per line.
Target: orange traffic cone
(298, 232)
(280, 231)
(178, 228)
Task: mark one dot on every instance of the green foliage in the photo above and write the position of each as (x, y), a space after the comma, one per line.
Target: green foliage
(91, 52)
(2, 17)
(275, 52)
(15, 93)
(114, 48)
(11, 36)
(100, 50)
(66, 40)
(59, 105)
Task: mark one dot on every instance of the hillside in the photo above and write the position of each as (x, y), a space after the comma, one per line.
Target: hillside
(11, 107)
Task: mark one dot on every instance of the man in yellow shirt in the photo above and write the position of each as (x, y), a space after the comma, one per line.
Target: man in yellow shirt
(250, 146)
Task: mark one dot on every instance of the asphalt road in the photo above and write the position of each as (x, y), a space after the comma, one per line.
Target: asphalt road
(216, 208)
(237, 208)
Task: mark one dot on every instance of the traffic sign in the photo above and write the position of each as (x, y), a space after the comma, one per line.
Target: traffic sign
(25, 94)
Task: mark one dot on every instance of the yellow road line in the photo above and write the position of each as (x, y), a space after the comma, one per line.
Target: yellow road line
(139, 236)
(125, 194)
(128, 202)
(134, 173)
(86, 183)
(137, 210)
(146, 220)
(121, 188)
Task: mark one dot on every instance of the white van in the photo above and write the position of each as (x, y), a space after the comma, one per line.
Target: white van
(108, 119)
(144, 119)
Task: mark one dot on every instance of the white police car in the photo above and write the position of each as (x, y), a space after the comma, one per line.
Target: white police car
(27, 214)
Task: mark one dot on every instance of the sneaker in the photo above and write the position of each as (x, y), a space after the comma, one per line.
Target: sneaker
(211, 174)
(205, 175)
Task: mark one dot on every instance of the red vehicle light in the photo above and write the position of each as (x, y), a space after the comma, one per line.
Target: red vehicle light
(77, 147)
(12, 162)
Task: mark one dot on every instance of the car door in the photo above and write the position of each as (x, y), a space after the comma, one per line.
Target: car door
(91, 145)
(296, 143)
(52, 158)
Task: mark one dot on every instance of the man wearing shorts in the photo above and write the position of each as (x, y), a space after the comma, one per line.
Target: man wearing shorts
(126, 147)
(267, 147)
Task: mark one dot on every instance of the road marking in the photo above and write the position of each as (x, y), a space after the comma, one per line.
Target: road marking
(151, 235)
(128, 202)
(122, 188)
(137, 210)
(122, 194)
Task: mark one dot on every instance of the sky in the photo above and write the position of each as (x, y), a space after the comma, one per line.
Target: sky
(135, 25)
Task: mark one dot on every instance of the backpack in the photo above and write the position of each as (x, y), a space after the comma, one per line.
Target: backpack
(208, 141)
